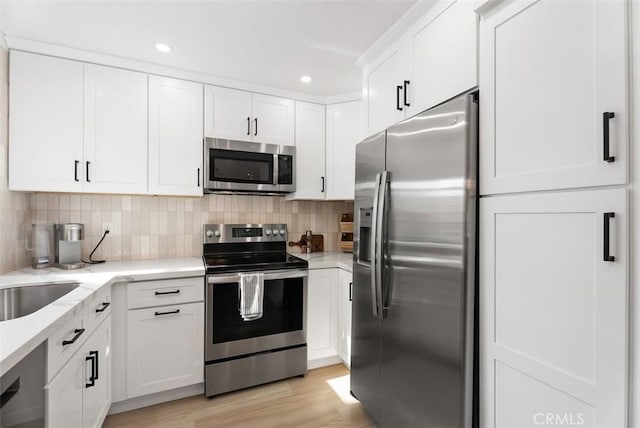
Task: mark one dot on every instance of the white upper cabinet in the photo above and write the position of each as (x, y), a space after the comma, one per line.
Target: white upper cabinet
(444, 57)
(175, 137)
(273, 120)
(240, 115)
(115, 130)
(550, 72)
(344, 131)
(384, 89)
(433, 61)
(228, 113)
(310, 151)
(45, 123)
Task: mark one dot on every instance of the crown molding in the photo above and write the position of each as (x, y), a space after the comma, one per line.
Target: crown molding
(344, 98)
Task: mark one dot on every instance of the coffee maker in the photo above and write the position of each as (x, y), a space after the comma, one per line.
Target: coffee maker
(68, 245)
(41, 242)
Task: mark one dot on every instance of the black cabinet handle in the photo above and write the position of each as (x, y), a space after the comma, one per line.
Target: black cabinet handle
(256, 127)
(177, 311)
(78, 332)
(406, 83)
(75, 170)
(248, 125)
(198, 177)
(607, 236)
(9, 392)
(92, 379)
(161, 293)
(88, 163)
(105, 305)
(606, 116)
(350, 291)
(97, 364)
(322, 178)
(398, 89)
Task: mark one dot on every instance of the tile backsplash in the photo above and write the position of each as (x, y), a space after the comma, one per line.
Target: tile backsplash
(147, 227)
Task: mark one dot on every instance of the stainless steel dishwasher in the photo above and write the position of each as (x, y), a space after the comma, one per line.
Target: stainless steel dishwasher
(22, 392)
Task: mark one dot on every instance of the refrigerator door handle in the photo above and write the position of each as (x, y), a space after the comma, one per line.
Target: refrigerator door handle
(374, 245)
(383, 292)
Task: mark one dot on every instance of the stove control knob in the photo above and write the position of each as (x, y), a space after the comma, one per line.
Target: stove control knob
(217, 233)
(275, 231)
(282, 232)
(209, 233)
(267, 232)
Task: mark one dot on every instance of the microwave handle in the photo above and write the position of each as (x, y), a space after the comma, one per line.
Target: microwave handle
(276, 168)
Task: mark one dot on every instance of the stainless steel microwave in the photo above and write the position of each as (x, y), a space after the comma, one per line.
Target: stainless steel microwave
(241, 166)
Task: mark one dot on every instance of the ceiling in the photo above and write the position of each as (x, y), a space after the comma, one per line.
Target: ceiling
(266, 42)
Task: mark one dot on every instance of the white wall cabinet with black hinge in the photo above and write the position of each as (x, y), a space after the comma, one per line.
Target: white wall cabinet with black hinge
(76, 127)
(553, 107)
(175, 137)
(434, 60)
(240, 115)
(325, 150)
(554, 308)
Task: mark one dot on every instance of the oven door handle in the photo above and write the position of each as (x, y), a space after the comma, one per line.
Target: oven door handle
(268, 276)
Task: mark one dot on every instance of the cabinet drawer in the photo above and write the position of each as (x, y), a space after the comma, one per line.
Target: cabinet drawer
(62, 344)
(165, 292)
(97, 309)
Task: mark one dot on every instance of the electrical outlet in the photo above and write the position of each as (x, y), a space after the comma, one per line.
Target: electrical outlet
(107, 225)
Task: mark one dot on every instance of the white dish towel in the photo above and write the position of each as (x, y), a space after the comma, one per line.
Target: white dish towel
(251, 291)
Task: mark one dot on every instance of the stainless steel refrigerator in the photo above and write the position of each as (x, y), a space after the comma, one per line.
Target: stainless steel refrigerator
(414, 272)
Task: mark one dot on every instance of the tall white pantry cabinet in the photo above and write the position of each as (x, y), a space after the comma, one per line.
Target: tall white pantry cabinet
(554, 264)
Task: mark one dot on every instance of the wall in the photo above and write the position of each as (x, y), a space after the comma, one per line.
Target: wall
(15, 213)
(146, 227)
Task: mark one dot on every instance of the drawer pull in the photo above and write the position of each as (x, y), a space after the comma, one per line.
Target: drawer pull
(177, 311)
(78, 332)
(607, 256)
(162, 293)
(105, 305)
(93, 357)
(606, 116)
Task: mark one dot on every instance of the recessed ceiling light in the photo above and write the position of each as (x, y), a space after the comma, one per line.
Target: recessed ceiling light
(305, 79)
(163, 47)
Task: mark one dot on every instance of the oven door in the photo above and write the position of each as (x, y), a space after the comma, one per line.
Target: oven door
(240, 166)
(283, 322)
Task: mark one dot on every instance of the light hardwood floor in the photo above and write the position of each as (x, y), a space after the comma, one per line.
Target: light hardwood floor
(321, 399)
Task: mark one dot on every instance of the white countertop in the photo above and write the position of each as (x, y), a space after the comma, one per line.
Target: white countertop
(20, 336)
(331, 259)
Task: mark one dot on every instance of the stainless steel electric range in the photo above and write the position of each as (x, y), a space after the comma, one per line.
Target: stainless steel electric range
(240, 353)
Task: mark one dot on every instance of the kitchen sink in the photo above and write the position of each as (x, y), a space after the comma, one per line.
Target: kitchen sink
(17, 302)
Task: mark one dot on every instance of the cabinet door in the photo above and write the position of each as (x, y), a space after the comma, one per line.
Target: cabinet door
(311, 180)
(227, 113)
(444, 57)
(322, 315)
(64, 395)
(45, 124)
(165, 348)
(175, 137)
(344, 328)
(273, 120)
(115, 130)
(344, 131)
(553, 326)
(384, 100)
(549, 70)
(96, 398)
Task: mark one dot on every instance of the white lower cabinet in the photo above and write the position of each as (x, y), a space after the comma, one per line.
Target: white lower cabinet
(165, 348)
(322, 317)
(80, 394)
(345, 284)
(554, 309)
